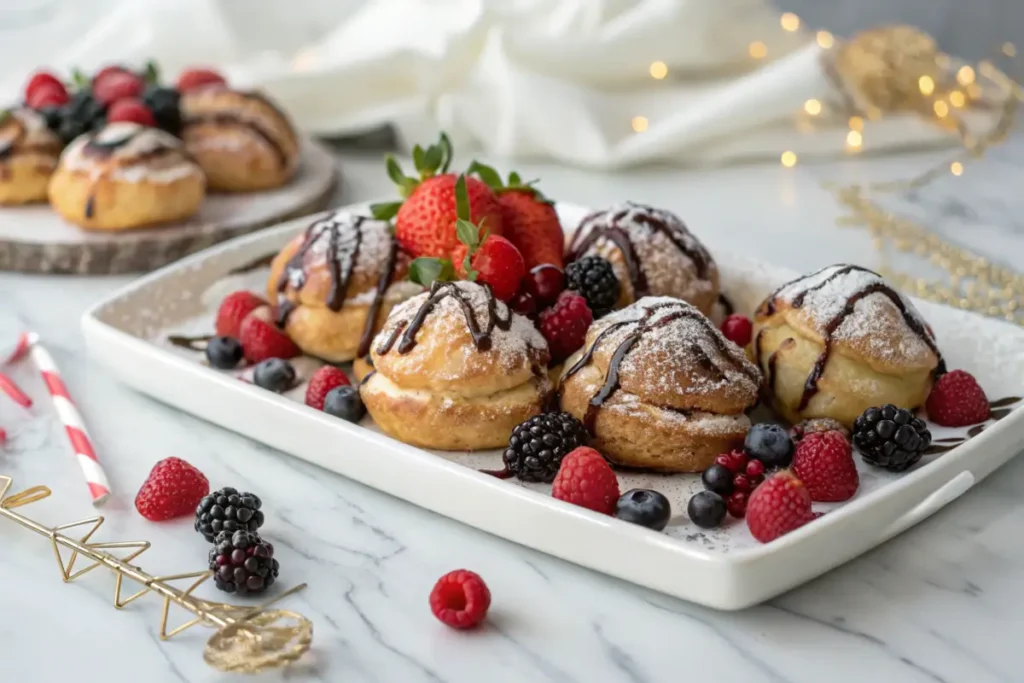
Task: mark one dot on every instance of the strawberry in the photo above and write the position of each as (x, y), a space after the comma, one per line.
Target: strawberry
(425, 222)
(584, 478)
(528, 219)
(47, 95)
(132, 110)
(107, 71)
(778, 506)
(824, 462)
(191, 79)
(261, 339)
(957, 400)
(117, 85)
(233, 310)
(321, 383)
(172, 489)
(39, 80)
(496, 263)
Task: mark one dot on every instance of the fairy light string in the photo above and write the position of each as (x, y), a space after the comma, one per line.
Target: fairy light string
(899, 70)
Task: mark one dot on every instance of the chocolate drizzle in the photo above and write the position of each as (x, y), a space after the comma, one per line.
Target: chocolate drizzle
(643, 325)
(197, 343)
(407, 330)
(255, 129)
(726, 305)
(833, 324)
(344, 237)
(606, 225)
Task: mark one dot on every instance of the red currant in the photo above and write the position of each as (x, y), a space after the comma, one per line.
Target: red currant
(738, 329)
(545, 282)
(739, 461)
(736, 504)
(524, 303)
(725, 460)
(741, 483)
(755, 468)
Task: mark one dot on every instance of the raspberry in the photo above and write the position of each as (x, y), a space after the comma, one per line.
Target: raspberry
(565, 325)
(191, 79)
(261, 339)
(320, 384)
(172, 489)
(498, 264)
(824, 463)
(233, 310)
(737, 329)
(131, 110)
(117, 85)
(460, 599)
(586, 479)
(40, 79)
(778, 506)
(957, 400)
(47, 95)
(817, 424)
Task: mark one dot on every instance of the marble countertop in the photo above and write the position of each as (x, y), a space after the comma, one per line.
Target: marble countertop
(937, 603)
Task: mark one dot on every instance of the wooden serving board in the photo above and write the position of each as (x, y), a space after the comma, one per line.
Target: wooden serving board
(34, 239)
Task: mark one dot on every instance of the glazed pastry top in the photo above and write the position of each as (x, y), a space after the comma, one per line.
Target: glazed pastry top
(666, 353)
(241, 117)
(458, 337)
(855, 311)
(24, 130)
(656, 251)
(131, 153)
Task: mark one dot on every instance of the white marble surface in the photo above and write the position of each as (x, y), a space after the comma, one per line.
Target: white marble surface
(938, 603)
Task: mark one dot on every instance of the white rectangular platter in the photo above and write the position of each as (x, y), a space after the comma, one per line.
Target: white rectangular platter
(723, 568)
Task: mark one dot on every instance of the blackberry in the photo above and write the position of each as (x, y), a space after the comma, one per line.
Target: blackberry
(165, 105)
(891, 437)
(594, 279)
(243, 563)
(228, 510)
(537, 446)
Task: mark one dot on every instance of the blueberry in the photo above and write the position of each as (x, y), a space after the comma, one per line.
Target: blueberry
(718, 478)
(770, 444)
(224, 352)
(706, 509)
(274, 374)
(344, 402)
(644, 507)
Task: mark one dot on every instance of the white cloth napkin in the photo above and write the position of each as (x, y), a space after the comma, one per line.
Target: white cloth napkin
(558, 79)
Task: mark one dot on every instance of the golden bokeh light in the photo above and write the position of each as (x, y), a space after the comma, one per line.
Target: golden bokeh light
(957, 99)
(757, 49)
(789, 21)
(856, 123)
(825, 39)
(788, 159)
(659, 70)
(854, 139)
(639, 124)
(941, 109)
(956, 168)
(926, 84)
(812, 107)
(965, 75)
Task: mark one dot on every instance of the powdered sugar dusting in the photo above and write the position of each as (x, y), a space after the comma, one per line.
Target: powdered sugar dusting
(448, 320)
(679, 333)
(824, 295)
(347, 230)
(668, 269)
(132, 160)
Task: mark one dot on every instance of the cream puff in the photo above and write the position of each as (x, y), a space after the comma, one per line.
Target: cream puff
(335, 284)
(456, 369)
(126, 176)
(660, 388)
(29, 151)
(839, 341)
(241, 139)
(652, 253)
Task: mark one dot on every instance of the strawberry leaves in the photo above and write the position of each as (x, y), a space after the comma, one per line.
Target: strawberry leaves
(424, 271)
(428, 162)
(515, 182)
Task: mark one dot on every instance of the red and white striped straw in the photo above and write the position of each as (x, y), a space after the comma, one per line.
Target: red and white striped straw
(81, 444)
(7, 385)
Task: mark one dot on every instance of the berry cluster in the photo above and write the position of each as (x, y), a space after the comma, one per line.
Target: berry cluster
(241, 560)
(115, 93)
